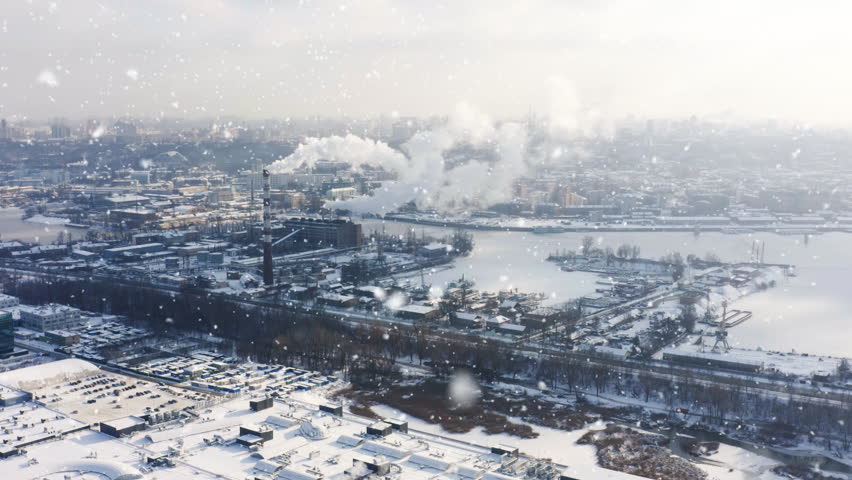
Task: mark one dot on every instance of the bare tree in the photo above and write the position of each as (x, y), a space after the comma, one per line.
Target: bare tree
(634, 252)
(588, 245)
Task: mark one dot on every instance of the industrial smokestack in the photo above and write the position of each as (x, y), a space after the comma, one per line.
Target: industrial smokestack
(267, 231)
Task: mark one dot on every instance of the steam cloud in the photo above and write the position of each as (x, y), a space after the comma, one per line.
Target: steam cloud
(351, 149)
(424, 174)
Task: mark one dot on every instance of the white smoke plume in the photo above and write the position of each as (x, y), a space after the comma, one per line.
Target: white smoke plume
(570, 117)
(351, 149)
(386, 199)
(424, 175)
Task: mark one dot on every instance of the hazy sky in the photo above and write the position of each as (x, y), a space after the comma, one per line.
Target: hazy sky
(267, 59)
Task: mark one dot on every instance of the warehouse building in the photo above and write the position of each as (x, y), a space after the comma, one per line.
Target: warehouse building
(336, 233)
(123, 426)
(133, 250)
(49, 317)
(7, 332)
(712, 360)
(7, 301)
(418, 312)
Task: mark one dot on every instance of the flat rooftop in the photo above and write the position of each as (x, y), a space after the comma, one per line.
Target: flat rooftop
(105, 396)
(305, 443)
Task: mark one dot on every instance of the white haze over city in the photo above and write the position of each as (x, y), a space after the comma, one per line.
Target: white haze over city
(199, 58)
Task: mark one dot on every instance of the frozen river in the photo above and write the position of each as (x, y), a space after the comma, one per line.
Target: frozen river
(12, 227)
(809, 313)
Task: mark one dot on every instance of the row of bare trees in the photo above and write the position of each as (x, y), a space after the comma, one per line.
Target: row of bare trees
(370, 355)
(736, 405)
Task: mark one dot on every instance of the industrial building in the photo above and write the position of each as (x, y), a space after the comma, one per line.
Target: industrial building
(418, 312)
(7, 332)
(337, 301)
(713, 361)
(62, 337)
(123, 427)
(133, 250)
(133, 217)
(259, 404)
(335, 233)
(434, 250)
(253, 435)
(7, 301)
(49, 317)
(467, 320)
(10, 397)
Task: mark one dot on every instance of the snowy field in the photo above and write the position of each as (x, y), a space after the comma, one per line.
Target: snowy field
(730, 463)
(785, 362)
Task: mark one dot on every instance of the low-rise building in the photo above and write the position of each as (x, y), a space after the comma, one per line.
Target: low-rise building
(63, 337)
(467, 320)
(49, 317)
(131, 250)
(7, 332)
(418, 312)
(434, 250)
(123, 426)
(7, 301)
(337, 301)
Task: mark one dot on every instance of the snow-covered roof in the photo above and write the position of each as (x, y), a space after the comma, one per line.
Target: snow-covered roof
(48, 309)
(111, 470)
(46, 374)
(266, 466)
(279, 421)
(384, 450)
(126, 198)
(468, 316)
(349, 440)
(125, 422)
(413, 308)
(425, 461)
(291, 473)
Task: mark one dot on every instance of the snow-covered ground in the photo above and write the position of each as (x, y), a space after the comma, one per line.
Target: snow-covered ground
(48, 220)
(785, 362)
(730, 463)
(558, 445)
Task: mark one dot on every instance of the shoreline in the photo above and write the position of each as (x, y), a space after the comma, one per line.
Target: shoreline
(797, 230)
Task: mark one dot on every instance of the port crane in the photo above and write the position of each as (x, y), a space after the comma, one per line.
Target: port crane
(722, 332)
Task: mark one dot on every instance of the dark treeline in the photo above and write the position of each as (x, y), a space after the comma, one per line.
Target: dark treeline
(775, 419)
(369, 356)
(280, 333)
(193, 310)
